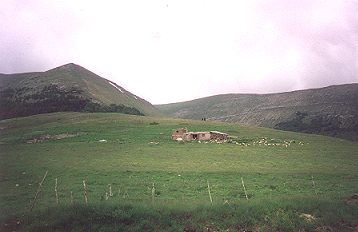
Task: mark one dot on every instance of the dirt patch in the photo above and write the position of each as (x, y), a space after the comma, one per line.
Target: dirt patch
(42, 138)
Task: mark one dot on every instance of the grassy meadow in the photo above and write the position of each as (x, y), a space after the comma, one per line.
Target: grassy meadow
(293, 181)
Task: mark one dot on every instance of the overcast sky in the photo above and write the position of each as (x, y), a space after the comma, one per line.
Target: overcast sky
(175, 50)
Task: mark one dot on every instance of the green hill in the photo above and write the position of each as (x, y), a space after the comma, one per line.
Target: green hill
(138, 179)
(331, 111)
(66, 88)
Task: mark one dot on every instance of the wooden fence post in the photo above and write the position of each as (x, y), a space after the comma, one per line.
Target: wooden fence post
(153, 193)
(85, 191)
(38, 191)
(314, 185)
(56, 191)
(110, 190)
(243, 185)
(211, 199)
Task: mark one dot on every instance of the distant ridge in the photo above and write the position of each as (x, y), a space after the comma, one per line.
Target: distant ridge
(69, 87)
(331, 110)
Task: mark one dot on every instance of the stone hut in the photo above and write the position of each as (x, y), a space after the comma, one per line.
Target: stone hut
(179, 133)
(204, 135)
(218, 135)
(183, 134)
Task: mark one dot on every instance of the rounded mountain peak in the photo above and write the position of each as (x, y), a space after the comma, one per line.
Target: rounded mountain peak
(69, 67)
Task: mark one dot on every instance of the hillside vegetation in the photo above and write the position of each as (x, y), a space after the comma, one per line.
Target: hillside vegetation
(138, 179)
(66, 88)
(331, 111)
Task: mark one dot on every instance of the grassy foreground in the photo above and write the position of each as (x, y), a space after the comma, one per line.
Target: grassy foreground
(293, 181)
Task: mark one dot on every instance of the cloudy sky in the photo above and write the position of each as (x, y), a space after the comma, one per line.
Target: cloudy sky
(175, 50)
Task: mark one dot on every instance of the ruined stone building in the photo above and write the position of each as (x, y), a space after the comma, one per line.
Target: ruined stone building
(184, 134)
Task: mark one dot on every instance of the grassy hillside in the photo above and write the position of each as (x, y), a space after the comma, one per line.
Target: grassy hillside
(331, 111)
(66, 88)
(287, 176)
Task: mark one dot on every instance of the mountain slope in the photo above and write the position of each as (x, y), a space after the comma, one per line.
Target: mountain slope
(66, 88)
(331, 110)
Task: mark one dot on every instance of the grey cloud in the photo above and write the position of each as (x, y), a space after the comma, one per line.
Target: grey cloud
(329, 42)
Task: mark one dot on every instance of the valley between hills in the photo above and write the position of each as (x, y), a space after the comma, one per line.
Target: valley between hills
(331, 110)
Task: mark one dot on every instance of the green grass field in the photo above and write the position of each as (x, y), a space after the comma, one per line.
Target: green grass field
(286, 175)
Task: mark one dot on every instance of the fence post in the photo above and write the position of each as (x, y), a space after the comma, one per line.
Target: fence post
(85, 191)
(38, 191)
(243, 185)
(314, 185)
(110, 190)
(153, 193)
(56, 191)
(211, 199)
